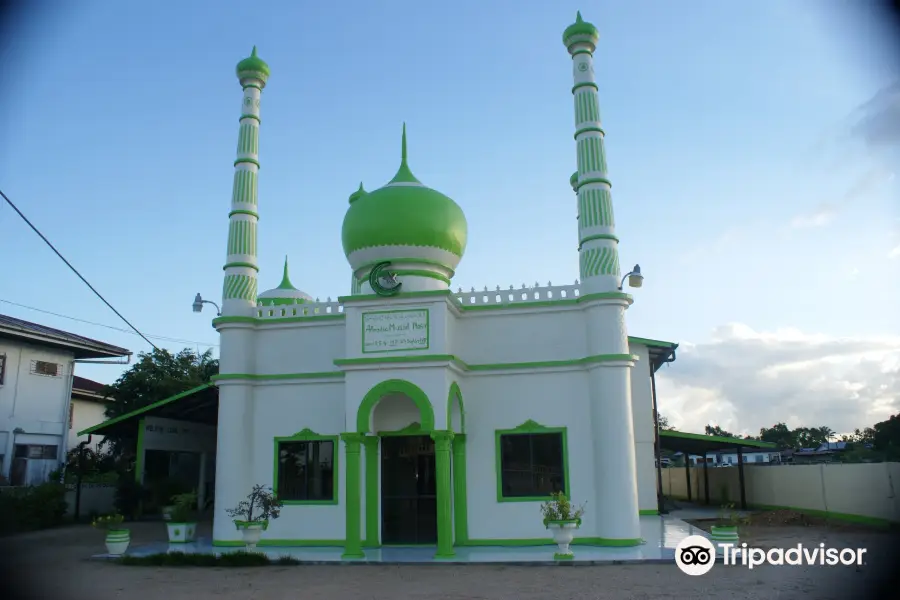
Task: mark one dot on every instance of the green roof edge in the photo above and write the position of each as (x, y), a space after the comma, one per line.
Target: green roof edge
(144, 409)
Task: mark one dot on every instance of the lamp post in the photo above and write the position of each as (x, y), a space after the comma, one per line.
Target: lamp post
(634, 277)
(199, 302)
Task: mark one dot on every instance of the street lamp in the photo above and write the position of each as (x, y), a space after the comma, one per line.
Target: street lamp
(199, 302)
(635, 279)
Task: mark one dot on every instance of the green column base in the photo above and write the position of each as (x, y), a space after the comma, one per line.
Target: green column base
(558, 556)
(444, 555)
(352, 555)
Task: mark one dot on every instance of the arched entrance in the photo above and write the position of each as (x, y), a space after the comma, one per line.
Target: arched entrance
(407, 485)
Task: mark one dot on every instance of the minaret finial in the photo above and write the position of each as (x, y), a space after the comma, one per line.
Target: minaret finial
(253, 53)
(578, 18)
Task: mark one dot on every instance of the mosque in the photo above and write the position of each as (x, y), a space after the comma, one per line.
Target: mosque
(408, 413)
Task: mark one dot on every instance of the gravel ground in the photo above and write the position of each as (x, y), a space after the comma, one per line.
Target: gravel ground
(56, 564)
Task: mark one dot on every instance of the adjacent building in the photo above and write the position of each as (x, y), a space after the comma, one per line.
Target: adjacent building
(37, 366)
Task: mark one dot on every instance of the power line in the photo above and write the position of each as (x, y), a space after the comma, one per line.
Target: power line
(114, 328)
(74, 270)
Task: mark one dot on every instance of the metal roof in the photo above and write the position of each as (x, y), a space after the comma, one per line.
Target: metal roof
(699, 444)
(83, 347)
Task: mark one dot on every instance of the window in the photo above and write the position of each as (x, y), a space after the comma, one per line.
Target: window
(36, 451)
(48, 369)
(305, 469)
(531, 462)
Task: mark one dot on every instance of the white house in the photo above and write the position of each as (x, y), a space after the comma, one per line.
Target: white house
(37, 366)
(88, 408)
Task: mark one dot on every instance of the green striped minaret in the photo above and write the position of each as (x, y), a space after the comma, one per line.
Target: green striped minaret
(597, 241)
(241, 268)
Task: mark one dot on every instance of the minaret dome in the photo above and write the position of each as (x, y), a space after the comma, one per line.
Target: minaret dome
(285, 293)
(581, 31)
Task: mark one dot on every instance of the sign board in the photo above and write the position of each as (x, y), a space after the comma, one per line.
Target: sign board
(395, 330)
(178, 436)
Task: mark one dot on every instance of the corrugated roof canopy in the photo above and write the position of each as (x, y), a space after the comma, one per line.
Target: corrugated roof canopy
(699, 444)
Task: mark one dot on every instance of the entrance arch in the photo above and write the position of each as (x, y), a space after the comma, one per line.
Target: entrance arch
(456, 410)
(395, 386)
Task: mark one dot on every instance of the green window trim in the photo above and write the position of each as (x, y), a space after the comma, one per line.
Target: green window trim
(530, 427)
(308, 435)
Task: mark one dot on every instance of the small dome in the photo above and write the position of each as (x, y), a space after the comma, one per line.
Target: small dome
(285, 293)
(358, 193)
(573, 180)
(253, 65)
(429, 226)
(580, 31)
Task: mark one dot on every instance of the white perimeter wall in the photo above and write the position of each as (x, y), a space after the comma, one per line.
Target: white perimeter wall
(866, 489)
(86, 414)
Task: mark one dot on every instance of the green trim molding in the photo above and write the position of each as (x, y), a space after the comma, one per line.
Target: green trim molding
(373, 502)
(530, 427)
(395, 386)
(308, 435)
(277, 376)
(456, 394)
(353, 542)
(647, 512)
(577, 362)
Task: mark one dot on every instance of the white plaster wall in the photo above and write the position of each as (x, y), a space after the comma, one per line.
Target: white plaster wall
(302, 347)
(438, 320)
(281, 410)
(37, 404)
(86, 414)
(393, 412)
(644, 435)
(520, 335)
(505, 402)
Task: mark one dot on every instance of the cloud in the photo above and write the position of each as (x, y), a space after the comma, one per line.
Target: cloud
(895, 252)
(821, 216)
(744, 379)
(878, 119)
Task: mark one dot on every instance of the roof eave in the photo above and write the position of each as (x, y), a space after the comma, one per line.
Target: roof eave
(78, 349)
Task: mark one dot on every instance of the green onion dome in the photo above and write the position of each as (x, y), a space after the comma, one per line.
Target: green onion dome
(404, 221)
(580, 31)
(285, 293)
(573, 180)
(253, 66)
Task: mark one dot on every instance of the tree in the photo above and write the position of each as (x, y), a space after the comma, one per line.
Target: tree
(155, 376)
(664, 423)
(718, 431)
(778, 434)
(886, 435)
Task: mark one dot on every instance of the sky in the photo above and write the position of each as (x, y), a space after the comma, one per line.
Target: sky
(753, 149)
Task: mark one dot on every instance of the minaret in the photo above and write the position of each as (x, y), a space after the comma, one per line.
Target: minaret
(239, 296)
(240, 287)
(597, 242)
(612, 423)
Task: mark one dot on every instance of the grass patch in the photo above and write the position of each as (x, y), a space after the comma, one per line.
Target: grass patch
(188, 559)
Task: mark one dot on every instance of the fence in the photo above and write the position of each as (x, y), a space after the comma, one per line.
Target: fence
(98, 498)
(859, 491)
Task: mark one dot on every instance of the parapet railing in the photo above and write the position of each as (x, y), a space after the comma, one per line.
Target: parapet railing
(497, 296)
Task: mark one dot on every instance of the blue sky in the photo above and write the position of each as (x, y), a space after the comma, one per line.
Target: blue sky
(740, 185)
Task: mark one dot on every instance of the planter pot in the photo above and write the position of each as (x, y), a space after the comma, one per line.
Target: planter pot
(563, 534)
(251, 531)
(181, 533)
(117, 541)
(167, 512)
(724, 534)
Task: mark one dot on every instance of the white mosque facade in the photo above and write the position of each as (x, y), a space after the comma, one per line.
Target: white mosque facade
(408, 413)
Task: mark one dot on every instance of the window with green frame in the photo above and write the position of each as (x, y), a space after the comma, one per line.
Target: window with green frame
(531, 465)
(305, 470)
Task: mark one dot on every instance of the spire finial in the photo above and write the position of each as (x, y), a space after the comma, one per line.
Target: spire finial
(253, 53)
(403, 151)
(286, 280)
(578, 18)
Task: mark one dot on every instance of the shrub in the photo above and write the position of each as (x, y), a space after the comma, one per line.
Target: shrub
(34, 507)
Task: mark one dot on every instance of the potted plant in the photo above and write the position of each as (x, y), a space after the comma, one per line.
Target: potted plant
(253, 514)
(182, 524)
(562, 520)
(726, 528)
(117, 537)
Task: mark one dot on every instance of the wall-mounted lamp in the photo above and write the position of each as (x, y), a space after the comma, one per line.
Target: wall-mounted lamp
(199, 302)
(635, 279)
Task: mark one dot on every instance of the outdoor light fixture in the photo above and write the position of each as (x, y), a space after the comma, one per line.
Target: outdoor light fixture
(199, 302)
(635, 279)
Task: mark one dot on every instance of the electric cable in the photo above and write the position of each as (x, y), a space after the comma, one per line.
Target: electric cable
(74, 270)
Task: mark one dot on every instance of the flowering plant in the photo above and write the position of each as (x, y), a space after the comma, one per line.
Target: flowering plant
(109, 522)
